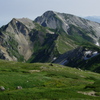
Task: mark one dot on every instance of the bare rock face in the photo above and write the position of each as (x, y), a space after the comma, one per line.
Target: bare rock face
(65, 22)
(53, 20)
(21, 29)
(16, 38)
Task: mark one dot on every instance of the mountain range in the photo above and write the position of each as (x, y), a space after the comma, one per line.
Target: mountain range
(93, 18)
(52, 37)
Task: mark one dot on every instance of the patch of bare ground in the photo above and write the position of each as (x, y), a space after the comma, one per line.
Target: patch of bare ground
(90, 93)
(32, 71)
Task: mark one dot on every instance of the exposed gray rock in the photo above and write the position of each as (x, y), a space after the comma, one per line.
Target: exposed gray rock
(17, 31)
(63, 21)
(2, 88)
(19, 87)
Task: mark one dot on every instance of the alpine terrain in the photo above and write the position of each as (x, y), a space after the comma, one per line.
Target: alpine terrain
(35, 56)
(52, 37)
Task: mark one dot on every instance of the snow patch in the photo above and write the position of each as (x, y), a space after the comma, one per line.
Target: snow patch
(16, 22)
(97, 44)
(90, 54)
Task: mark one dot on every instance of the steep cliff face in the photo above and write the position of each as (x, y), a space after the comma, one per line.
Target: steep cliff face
(16, 36)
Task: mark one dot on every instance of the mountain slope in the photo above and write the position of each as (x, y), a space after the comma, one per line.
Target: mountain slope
(26, 40)
(16, 34)
(19, 37)
(72, 25)
(54, 45)
(86, 57)
(23, 39)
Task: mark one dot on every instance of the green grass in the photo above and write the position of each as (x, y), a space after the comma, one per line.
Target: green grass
(45, 82)
(64, 43)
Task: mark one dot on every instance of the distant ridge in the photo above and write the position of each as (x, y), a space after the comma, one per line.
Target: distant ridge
(93, 18)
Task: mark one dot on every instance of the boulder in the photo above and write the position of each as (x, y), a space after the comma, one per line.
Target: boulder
(19, 87)
(2, 88)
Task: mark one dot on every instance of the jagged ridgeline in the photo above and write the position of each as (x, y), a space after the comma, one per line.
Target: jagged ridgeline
(45, 38)
(20, 38)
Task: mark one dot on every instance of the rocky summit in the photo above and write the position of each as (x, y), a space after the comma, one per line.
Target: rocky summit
(71, 24)
(19, 37)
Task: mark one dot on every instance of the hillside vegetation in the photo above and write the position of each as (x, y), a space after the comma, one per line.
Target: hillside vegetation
(47, 82)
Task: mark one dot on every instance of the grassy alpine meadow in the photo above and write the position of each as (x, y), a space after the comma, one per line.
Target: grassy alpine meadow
(45, 81)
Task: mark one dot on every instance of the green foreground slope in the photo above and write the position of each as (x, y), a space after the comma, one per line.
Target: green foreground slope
(47, 82)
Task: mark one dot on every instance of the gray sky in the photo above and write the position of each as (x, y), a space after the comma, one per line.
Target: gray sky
(32, 8)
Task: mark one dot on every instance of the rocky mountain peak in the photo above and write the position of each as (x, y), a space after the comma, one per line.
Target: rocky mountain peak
(27, 22)
(70, 24)
(22, 21)
(49, 13)
(16, 36)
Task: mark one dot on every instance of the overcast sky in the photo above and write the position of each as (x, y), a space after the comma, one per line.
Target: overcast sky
(32, 8)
